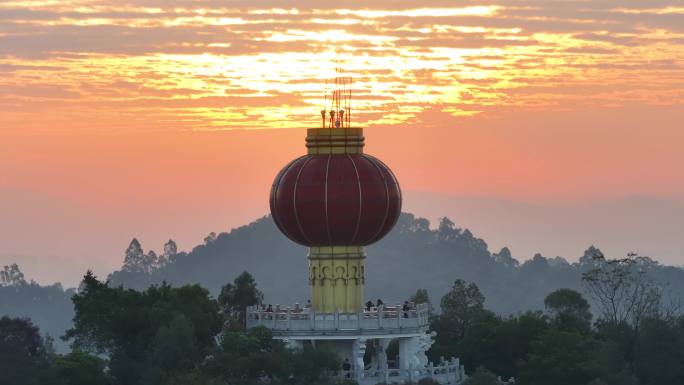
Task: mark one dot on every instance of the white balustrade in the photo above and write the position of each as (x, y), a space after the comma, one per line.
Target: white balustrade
(448, 372)
(386, 318)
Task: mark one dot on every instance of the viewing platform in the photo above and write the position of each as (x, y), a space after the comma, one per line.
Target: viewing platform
(304, 323)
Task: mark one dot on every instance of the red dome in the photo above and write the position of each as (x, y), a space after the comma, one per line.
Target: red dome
(335, 200)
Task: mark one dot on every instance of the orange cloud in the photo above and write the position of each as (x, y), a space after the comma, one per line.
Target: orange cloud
(186, 65)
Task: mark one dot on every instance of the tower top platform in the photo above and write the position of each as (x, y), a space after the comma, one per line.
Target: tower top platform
(306, 324)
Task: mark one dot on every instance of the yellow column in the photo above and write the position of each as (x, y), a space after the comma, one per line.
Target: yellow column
(336, 277)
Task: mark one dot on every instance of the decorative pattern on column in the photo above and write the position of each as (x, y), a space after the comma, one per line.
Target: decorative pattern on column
(336, 277)
(412, 355)
(424, 343)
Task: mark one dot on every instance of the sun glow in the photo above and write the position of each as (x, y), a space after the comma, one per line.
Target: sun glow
(204, 67)
(423, 12)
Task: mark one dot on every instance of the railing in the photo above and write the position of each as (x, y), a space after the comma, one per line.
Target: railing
(448, 372)
(384, 320)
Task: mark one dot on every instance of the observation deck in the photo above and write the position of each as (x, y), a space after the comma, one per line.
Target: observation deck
(304, 323)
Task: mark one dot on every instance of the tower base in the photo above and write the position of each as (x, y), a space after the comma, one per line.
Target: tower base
(367, 363)
(362, 340)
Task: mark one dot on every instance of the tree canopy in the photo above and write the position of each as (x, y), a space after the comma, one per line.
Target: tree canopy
(561, 346)
(22, 351)
(237, 296)
(569, 309)
(164, 328)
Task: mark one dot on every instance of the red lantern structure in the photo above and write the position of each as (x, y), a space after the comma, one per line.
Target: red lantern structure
(335, 199)
(335, 195)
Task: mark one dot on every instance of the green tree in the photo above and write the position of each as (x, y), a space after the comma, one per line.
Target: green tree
(77, 368)
(421, 296)
(11, 276)
(170, 252)
(134, 258)
(480, 338)
(505, 258)
(211, 238)
(236, 297)
(482, 376)
(461, 306)
(659, 353)
(559, 357)
(610, 367)
(22, 351)
(447, 230)
(312, 365)
(150, 335)
(150, 262)
(498, 343)
(246, 357)
(174, 350)
(621, 288)
(591, 256)
(569, 309)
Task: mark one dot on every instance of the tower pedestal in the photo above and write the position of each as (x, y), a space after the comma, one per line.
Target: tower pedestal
(361, 339)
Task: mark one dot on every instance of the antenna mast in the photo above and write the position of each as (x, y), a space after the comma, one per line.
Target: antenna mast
(338, 113)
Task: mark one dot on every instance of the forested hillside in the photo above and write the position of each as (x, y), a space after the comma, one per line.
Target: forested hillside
(412, 256)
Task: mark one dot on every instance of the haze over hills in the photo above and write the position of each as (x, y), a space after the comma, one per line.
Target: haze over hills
(414, 255)
(647, 225)
(76, 238)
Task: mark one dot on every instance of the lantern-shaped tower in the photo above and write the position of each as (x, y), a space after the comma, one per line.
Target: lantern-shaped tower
(336, 200)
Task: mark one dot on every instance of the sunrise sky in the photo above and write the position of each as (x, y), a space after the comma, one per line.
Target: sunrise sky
(165, 119)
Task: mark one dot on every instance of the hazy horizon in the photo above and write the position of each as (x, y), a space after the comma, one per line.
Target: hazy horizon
(524, 227)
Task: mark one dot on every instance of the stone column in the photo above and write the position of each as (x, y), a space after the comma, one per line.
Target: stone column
(412, 353)
(407, 349)
(383, 366)
(424, 342)
(359, 350)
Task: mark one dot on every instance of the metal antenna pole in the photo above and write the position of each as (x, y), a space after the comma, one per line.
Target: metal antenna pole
(350, 99)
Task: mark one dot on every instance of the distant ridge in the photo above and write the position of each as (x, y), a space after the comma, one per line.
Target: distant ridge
(412, 256)
(414, 253)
